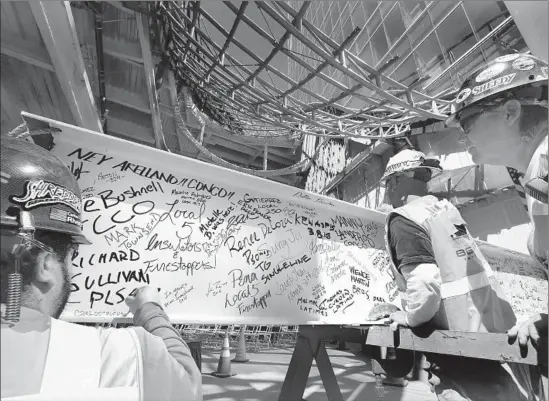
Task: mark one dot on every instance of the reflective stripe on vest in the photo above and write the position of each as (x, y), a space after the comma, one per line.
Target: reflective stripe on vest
(464, 285)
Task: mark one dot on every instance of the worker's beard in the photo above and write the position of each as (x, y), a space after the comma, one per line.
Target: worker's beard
(65, 293)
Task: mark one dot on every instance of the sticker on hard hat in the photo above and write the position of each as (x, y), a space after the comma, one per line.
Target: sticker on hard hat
(505, 80)
(41, 193)
(490, 72)
(506, 57)
(65, 217)
(464, 94)
(524, 64)
(403, 165)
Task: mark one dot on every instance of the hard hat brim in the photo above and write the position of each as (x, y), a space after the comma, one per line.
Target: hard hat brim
(435, 172)
(81, 240)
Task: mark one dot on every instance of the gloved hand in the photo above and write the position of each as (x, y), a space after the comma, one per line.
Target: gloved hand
(535, 331)
(141, 296)
(398, 319)
(532, 330)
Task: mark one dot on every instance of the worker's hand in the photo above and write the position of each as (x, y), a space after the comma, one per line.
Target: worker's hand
(532, 330)
(141, 296)
(398, 319)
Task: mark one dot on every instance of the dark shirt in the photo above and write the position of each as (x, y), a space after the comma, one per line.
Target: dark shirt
(409, 243)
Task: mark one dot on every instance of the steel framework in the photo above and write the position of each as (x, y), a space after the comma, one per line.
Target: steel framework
(243, 100)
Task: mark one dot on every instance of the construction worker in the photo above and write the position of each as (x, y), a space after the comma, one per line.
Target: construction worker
(502, 110)
(46, 358)
(444, 280)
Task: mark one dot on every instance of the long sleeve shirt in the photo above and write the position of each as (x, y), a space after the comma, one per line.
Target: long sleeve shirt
(415, 259)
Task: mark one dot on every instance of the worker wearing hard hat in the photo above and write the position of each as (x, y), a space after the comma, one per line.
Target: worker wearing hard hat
(502, 110)
(44, 358)
(443, 279)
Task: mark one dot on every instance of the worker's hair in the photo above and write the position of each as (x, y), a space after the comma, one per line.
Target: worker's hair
(57, 241)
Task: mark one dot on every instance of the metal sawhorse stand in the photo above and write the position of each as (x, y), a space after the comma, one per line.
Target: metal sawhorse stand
(310, 346)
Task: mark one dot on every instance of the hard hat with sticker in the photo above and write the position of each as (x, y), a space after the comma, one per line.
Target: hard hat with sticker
(507, 57)
(410, 160)
(503, 74)
(523, 64)
(494, 83)
(490, 72)
(464, 94)
(36, 181)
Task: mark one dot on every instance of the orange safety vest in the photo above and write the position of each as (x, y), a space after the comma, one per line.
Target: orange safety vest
(472, 299)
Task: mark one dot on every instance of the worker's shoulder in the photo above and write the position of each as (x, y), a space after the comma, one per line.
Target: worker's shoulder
(430, 206)
(403, 225)
(397, 220)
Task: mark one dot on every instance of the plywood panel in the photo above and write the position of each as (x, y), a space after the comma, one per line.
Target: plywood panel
(16, 19)
(128, 76)
(125, 27)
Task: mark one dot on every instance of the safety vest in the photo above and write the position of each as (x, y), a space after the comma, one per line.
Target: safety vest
(472, 299)
(72, 371)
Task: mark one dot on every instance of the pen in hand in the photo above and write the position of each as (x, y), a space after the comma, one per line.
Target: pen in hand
(133, 294)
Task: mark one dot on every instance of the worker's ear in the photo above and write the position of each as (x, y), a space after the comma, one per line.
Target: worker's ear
(45, 270)
(512, 109)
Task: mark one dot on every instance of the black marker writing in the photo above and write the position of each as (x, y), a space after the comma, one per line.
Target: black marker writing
(77, 171)
(239, 279)
(283, 266)
(256, 303)
(268, 229)
(189, 267)
(118, 217)
(176, 213)
(121, 277)
(237, 246)
(107, 257)
(89, 156)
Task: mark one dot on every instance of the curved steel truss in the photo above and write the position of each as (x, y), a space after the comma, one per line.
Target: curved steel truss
(260, 99)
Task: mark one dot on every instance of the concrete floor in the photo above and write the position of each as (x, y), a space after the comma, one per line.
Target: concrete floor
(261, 379)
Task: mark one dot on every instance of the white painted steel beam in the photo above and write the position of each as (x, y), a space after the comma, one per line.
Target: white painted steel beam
(56, 24)
(532, 19)
(144, 37)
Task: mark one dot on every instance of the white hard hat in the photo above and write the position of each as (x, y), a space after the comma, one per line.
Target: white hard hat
(409, 160)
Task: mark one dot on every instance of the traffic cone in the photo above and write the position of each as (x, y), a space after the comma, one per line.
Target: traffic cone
(241, 347)
(224, 364)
